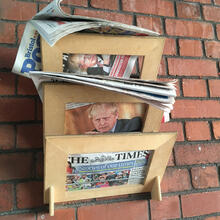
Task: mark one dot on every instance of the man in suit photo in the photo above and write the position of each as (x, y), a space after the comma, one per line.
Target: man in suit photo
(105, 119)
(91, 64)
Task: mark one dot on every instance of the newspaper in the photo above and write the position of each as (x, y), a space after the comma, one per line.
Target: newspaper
(120, 66)
(52, 24)
(96, 118)
(89, 171)
(159, 94)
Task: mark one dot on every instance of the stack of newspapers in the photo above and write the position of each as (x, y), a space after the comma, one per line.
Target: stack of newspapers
(52, 24)
(159, 94)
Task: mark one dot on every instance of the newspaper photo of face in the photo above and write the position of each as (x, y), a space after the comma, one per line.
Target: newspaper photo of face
(104, 117)
(95, 118)
(91, 64)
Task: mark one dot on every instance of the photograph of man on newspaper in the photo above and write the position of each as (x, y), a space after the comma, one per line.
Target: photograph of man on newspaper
(121, 66)
(88, 171)
(90, 64)
(105, 119)
(95, 118)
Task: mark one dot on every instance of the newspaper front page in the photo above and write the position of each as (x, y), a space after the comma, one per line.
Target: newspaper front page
(89, 171)
(52, 24)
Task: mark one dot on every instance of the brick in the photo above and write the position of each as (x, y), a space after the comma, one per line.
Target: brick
(190, 67)
(46, 1)
(217, 2)
(20, 31)
(18, 217)
(65, 214)
(214, 87)
(29, 194)
(39, 165)
(200, 203)
(26, 86)
(175, 127)
(13, 109)
(66, 9)
(7, 57)
(75, 2)
(194, 88)
(30, 136)
(151, 23)
(218, 30)
(196, 109)
(175, 180)
(105, 4)
(211, 13)
(212, 49)
(117, 211)
(6, 197)
(7, 137)
(216, 129)
(7, 32)
(113, 16)
(168, 208)
(197, 154)
(197, 130)
(16, 166)
(204, 177)
(171, 160)
(177, 84)
(39, 110)
(190, 48)
(212, 218)
(158, 7)
(7, 84)
(162, 67)
(201, 1)
(170, 47)
(16, 10)
(189, 29)
(188, 10)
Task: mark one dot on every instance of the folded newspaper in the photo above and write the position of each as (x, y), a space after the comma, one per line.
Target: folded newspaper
(52, 24)
(158, 94)
(106, 169)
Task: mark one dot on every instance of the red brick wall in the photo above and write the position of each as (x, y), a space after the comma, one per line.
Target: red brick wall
(191, 183)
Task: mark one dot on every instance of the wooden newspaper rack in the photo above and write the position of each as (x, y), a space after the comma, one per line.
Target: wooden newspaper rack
(58, 146)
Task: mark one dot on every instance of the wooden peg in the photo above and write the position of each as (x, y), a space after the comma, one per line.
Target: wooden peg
(51, 201)
(156, 190)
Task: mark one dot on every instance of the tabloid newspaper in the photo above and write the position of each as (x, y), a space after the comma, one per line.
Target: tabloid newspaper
(88, 171)
(119, 66)
(52, 24)
(159, 94)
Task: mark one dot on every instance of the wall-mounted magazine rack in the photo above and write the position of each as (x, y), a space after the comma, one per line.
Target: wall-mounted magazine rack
(56, 95)
(59, 148)
(151, 48)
